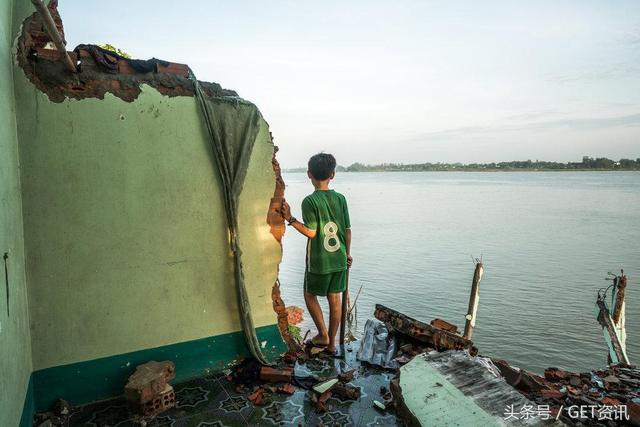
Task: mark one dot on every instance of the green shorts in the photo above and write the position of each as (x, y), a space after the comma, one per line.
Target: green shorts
(321, 284)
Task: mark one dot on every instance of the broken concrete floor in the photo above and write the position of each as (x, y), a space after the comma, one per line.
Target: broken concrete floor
(213, 401)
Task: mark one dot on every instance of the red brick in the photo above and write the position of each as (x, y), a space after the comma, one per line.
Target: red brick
(276, 375)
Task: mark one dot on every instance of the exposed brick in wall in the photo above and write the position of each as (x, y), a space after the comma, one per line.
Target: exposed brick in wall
(276, 222)
(43, 67)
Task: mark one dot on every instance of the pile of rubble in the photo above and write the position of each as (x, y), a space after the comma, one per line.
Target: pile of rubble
(259, 383)
(615, 388)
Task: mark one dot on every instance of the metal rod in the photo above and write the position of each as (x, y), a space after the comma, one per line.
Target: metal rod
(343, 320)
(54, 34)
(473, 302)
(6, 278)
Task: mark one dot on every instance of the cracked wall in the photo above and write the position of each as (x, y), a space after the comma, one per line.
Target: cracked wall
(123, 214)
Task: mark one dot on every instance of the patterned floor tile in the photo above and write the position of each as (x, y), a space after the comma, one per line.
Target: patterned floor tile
(212, 401)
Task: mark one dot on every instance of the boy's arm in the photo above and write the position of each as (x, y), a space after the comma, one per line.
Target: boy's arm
(302, 229)
(347, 239)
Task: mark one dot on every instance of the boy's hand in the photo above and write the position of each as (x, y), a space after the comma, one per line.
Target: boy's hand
(285, 210)
(349, 261)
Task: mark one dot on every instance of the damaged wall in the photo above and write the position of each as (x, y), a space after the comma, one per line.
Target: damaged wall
(15, 343)
(125, 227)
(125, 230)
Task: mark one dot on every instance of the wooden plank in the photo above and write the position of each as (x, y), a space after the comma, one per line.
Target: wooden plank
(440, 339)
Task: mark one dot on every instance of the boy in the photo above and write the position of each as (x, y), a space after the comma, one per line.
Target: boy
(327, 227)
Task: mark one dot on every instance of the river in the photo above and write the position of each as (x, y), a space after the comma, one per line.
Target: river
(547, 241)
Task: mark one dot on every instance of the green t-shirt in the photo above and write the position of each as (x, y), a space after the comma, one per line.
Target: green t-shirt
(327, 213)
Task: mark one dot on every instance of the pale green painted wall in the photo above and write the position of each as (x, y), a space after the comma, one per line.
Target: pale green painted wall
(125, 230)
(15, 348)
(126, 244)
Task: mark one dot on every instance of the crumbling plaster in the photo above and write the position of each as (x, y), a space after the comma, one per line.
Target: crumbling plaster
(124, 223)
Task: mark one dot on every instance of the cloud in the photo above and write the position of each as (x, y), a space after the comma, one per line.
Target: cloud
(632, 37)
(617, 71)
(579, 123)
(535, 115)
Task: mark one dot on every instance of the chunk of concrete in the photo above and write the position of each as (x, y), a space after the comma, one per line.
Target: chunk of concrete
(148, 381)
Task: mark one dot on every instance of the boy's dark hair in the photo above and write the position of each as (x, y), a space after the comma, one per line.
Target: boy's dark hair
(321, 166)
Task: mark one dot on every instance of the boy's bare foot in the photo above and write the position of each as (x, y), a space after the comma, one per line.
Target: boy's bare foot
(319, 341)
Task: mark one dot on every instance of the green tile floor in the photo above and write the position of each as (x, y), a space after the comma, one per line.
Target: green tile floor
(214, 401)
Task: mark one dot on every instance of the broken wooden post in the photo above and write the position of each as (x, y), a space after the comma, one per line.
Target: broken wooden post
(54, 34)
(613, 324)
(473, 301)
(618, 311)
(617, 353)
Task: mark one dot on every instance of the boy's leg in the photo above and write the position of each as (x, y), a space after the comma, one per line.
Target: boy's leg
(335, 315)
(337, 286)
(316, 314)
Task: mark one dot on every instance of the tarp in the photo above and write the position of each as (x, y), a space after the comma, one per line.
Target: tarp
(377, 346)
(232, 124)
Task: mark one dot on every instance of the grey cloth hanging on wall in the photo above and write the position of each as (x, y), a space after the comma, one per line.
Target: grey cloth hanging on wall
(232, 124)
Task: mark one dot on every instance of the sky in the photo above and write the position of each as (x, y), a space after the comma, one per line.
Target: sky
(403, 81)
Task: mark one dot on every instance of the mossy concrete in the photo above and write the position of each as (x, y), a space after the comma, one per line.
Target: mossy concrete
(15, 342)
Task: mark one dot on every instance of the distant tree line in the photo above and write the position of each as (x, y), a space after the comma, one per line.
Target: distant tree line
(587, 163)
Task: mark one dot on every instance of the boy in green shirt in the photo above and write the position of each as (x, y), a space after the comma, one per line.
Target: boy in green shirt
(327, 227)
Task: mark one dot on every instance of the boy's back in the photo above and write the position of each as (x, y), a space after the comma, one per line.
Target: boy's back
(328, 230)
(326, 212)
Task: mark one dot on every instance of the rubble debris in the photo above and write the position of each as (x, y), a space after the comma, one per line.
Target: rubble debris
(401, 408)
(437, 338)
(444, 325)
(347, 376)
(305, 383)
(453, 379)
(319, 402)
(148, 391)
(292, 356)
(377, 346)
(286, 389)
(324, 386)
(379, 405)
(257, 397)
(615, 386)
(62, 408)
(276, 375)
(346, 391)
(57, 416)
(247, 372)
(315, 350)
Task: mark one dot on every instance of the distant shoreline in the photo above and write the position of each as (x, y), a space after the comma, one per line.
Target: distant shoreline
(588, 164)
(474, 170)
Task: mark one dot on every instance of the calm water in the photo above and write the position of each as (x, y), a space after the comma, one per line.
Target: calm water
(547, 241)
